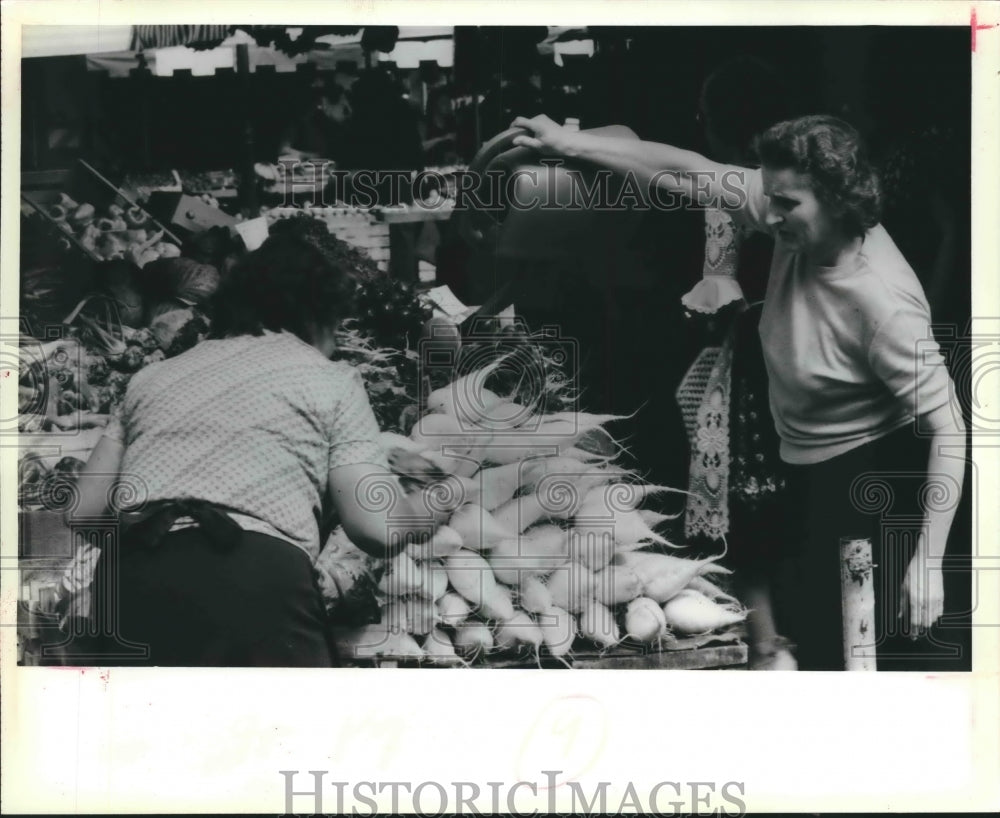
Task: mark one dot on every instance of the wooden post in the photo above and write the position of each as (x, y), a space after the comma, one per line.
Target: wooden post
(858, 601)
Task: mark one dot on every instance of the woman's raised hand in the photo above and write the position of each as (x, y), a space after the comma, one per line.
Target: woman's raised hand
(546, 135)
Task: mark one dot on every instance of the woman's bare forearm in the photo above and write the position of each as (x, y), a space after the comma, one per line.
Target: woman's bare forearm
(667, 167)
(948, 468)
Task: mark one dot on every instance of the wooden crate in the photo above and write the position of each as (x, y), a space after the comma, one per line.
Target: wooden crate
(712, 657)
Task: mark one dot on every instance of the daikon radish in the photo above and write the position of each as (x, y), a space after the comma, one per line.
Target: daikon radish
(402, 646)
(693, 612)
(472, 638)
(468, 406)
(535, 553)
(433, 579)
(452, 608)
(663, 576)
(372, 641)
(597, 503)
(711, 590)
(497, 604)
(474, 384)
(582, 475)
(594, 548)
(571, 587)
(392, 440)
(448, 435)
(653, 518)
(519, 629)
(588, 457)
(628, 525)
(584, 420)
(556, 498)
(533, 595)
(478, 528)
(439, 650)
(616, 585)
(471, 576)
(401, 577)
(630, 495)
(420, 614)
(630, 528)
(504, 415)
(598, 625)
(558, 627)
(534, 469)
(520, 513)
(434, 427)
(462, 465)
(524, 442)
(445, 541)
(395, 616)
(497, 485)
(644, 620)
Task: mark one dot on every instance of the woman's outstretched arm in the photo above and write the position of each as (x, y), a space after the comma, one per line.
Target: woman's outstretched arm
(670, 168)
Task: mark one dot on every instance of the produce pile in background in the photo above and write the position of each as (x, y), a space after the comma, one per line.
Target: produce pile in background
(549, 550)
(114, 233)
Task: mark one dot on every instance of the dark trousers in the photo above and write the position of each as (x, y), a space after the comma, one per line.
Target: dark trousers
(872, 492)
(190, 600)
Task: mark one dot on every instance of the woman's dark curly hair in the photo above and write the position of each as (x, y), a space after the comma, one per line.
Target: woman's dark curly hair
(284, 285)
(831, 152)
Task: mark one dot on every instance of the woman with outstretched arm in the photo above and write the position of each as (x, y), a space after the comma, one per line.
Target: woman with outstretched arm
(857, 385)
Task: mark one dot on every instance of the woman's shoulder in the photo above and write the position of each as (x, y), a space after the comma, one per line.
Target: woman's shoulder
(888, 288)
(892, 279)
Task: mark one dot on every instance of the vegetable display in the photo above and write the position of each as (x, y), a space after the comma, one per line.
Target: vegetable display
(550, 550)
(115, 233)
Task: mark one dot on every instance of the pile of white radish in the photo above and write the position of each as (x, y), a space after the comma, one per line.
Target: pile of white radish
(549, 546)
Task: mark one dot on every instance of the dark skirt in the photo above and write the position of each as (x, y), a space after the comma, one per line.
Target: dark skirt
(874, 492)
(190, 600)
(758, 478)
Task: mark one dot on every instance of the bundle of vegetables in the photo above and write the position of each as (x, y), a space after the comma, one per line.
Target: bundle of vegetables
(77, 381)
(390, 312)
(40, 486)
(116, 233)
(549, 546)
(340, 253)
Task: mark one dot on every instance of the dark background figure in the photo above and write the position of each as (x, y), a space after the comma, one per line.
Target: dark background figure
(323, 131)
(386, 136)
(438, 128)
(384, 126)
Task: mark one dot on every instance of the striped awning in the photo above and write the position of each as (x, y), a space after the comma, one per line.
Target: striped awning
(145, 37)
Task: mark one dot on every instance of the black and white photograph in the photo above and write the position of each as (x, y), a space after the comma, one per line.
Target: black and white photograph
(356, 352)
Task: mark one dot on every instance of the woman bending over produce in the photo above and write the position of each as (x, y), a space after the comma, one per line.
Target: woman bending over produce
(238, 449)
(857, 384)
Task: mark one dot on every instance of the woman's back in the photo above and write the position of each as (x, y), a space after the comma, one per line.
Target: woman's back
(253, 424)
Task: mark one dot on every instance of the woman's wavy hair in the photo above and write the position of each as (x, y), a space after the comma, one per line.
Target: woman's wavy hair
(285, 285)
(831, 152)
